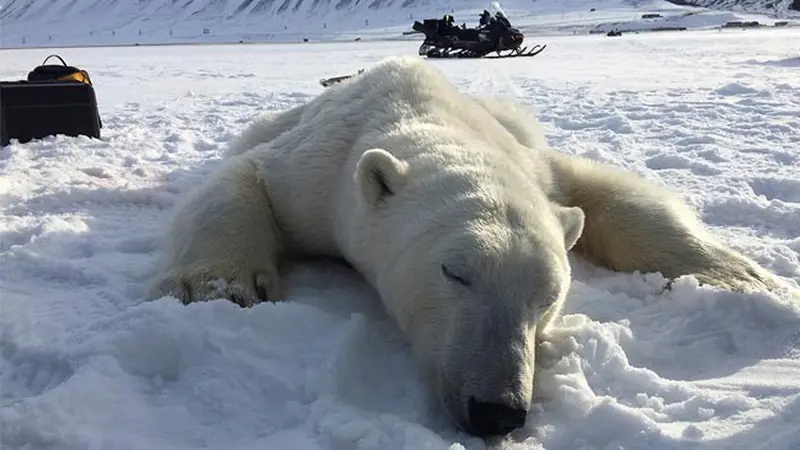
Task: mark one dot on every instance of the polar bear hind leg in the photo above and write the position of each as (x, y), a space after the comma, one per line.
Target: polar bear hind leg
(634, 225)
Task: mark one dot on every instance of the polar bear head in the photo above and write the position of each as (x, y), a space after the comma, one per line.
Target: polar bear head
(471, 272)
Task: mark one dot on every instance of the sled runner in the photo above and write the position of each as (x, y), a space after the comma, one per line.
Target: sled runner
(326, 82)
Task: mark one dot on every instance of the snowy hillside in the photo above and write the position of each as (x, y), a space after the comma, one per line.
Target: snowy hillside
(29, 23)
(86, 364)
(780, 7)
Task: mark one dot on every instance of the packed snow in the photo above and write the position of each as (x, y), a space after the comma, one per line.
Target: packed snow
(86, 363)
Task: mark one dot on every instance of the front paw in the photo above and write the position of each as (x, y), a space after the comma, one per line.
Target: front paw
(245, 288)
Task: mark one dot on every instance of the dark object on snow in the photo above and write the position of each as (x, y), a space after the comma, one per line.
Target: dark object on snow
(740, 24)
(35, 109)
(651, 16)
(666, 29)
(326, 82)
(55, 72)
(443, 39)
(643, 30)
(53, 100)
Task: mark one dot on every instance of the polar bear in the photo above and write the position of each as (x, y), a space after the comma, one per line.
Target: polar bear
(453, 208)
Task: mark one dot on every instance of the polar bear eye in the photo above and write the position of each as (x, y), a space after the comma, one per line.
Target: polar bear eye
(453, 277)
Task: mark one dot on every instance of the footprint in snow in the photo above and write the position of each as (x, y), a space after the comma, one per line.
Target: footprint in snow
(666, 162)
(34, 372)
(785, 189)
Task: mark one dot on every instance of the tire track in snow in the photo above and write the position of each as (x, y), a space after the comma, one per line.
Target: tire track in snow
(484, 78)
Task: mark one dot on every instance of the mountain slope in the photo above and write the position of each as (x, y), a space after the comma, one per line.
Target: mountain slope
(90, 21)
(33, 23)
(38, 10)
(96, 22)
(229, 9)
(770, 6)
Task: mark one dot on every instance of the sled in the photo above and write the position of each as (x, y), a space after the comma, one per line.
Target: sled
(327, 82)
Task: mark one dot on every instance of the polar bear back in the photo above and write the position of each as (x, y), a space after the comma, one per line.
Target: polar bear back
(402, 105)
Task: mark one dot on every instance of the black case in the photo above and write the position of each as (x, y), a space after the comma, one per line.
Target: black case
(35, 109)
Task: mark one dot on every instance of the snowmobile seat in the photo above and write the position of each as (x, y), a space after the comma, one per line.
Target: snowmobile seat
(468, 34)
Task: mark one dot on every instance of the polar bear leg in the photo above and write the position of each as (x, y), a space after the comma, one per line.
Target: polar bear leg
(634, 225)
(224, 241)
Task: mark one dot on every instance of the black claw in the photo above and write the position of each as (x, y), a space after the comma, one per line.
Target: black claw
(261, 292)
(239, 300)
(187, 288)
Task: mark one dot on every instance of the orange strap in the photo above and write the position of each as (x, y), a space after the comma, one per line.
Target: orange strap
(81, 76)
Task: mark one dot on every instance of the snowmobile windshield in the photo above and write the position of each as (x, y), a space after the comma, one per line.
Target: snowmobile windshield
(498, 11)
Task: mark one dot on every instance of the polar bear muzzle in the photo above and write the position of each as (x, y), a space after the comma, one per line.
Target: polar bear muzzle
(494, 419)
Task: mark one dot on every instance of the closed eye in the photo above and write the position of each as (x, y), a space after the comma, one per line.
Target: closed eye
(453, 277)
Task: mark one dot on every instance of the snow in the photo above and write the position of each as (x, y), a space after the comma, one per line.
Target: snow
(58, 23)
(85, 363)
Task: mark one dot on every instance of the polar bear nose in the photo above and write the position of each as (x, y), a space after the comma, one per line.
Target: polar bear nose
(491, 419)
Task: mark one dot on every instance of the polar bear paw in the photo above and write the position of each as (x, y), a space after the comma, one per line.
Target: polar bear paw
(245, 288)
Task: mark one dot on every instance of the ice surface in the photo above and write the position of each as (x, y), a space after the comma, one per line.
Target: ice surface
(86, 364)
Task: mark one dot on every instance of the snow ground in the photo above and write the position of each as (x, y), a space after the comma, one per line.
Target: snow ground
(86, 364)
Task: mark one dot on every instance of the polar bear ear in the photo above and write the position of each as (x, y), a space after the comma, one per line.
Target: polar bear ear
(379, 174)
(572, 219)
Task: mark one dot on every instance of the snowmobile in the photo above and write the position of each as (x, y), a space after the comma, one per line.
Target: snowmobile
(495, 34)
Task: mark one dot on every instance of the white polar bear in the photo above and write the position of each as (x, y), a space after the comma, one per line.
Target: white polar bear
(453, 208)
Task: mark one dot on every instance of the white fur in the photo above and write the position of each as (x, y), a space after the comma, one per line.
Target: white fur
(453, 208)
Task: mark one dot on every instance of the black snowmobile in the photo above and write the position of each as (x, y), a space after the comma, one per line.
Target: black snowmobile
(443, 39)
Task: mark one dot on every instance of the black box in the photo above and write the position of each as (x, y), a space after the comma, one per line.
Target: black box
(35, 109)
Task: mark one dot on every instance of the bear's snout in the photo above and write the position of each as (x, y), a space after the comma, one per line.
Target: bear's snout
(487, 378)
(486, 419)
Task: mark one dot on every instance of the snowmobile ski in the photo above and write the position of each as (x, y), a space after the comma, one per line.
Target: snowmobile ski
(519, 53)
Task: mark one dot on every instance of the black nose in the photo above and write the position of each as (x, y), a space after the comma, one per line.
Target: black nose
(492, 419)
